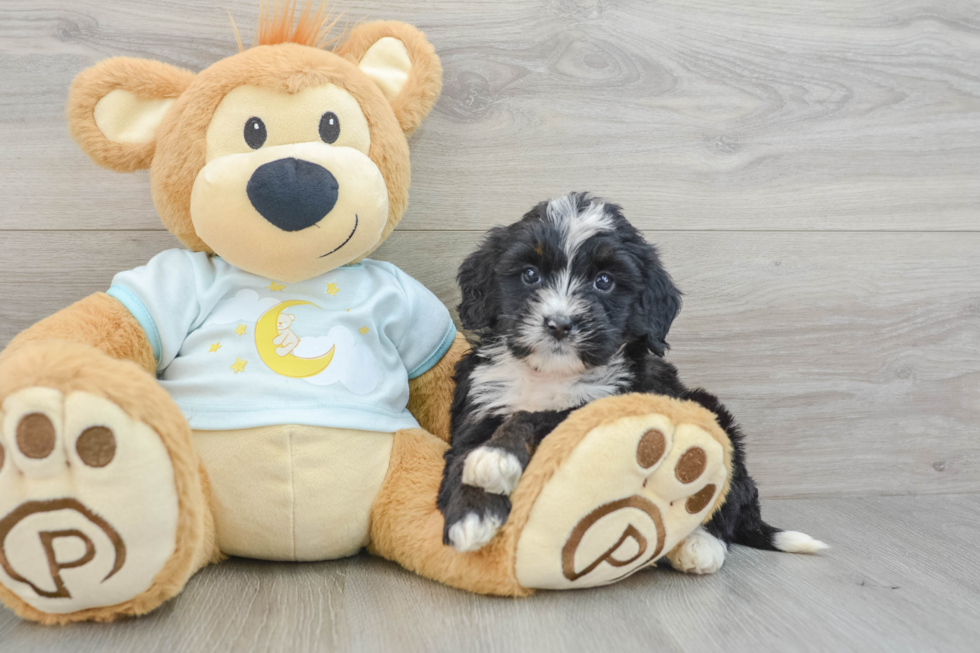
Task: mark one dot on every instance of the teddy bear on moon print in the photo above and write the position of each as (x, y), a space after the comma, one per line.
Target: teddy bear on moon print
(320, 360)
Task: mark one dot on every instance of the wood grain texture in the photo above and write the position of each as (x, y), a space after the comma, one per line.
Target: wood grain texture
(902, 576)
(852, 360)
(694, 114)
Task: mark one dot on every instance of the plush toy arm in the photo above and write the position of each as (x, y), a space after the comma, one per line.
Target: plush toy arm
(431, 394)
(98, 320)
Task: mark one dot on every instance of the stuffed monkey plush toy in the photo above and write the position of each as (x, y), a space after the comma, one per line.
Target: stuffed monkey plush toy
(269, 391)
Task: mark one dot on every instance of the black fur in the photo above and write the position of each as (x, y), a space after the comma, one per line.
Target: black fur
(634, 318)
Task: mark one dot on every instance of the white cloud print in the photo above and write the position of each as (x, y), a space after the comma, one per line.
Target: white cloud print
(245, 305)
(353, 363)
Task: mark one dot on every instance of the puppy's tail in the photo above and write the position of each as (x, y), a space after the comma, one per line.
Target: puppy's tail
(760, 535)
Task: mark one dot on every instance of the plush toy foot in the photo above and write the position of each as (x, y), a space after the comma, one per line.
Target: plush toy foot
(90, 517)
(646, 473)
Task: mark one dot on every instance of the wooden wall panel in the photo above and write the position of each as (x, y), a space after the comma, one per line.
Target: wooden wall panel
(693, 114)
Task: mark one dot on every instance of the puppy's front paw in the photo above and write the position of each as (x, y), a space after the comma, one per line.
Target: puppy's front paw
(700, 553)
(473, 532)
(493, 469)
(473, 517)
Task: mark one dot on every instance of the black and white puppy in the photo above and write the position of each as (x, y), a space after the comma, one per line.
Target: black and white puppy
(570, 305)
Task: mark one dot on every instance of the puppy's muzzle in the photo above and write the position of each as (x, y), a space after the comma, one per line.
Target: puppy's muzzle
(559, 326)
(292, 194)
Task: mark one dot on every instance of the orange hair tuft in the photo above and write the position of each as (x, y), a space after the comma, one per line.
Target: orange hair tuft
(283, 21)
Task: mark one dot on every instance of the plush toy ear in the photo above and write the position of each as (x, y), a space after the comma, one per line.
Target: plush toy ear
(404, 65)
(116, 106)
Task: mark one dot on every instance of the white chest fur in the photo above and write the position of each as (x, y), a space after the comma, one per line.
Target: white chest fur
(506, 385)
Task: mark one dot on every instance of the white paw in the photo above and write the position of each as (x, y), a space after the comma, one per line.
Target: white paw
(797, 542)
(700, 553)
(88, 506)
(492, 469)
(472, 532)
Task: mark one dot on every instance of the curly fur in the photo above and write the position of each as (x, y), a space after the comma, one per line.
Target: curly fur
(523, 378)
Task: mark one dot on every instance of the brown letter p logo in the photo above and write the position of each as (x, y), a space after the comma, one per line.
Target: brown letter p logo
(48, 538)
(631, 538)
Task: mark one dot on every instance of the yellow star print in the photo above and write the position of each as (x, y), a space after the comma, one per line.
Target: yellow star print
(273, 286)
(347, 310)
(241, 329)
(239, 365)
(364, 330)
(333, 289)
(215, 347)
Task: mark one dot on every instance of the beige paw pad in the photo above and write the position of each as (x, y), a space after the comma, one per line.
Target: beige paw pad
(88, 506)
(34, 422)
(628, 493)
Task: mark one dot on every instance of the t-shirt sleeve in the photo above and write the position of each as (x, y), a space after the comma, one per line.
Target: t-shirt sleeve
(430, 331)
(164, 297)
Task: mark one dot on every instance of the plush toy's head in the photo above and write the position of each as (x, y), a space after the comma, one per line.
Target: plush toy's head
(287, 160)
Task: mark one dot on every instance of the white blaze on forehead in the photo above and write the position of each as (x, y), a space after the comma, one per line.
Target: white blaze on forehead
(558, 297)
(577, 227)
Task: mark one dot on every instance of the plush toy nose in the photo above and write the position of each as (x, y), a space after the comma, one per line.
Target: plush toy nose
(292, 194)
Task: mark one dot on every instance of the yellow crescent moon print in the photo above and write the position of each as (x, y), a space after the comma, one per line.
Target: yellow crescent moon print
(266, 331)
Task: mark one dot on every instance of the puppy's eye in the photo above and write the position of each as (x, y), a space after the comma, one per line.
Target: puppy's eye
(255, 133)
(530, 275)
(329, 127)
(604, 282)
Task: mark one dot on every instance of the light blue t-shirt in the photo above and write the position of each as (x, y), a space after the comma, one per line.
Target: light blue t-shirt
(235, 350)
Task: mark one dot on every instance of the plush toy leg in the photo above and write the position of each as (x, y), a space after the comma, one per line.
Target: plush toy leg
(104, 506)
(615, 487)
(406, 527)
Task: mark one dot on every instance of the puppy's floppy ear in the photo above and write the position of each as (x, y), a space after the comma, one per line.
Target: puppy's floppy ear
(660, 301)
(404, 65)
(477, 279)
(116, 106)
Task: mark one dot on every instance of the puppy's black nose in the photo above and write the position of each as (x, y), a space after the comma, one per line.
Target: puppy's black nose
(292, 194)
(559, 326)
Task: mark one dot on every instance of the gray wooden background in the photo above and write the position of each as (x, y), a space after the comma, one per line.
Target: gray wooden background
(810, 170)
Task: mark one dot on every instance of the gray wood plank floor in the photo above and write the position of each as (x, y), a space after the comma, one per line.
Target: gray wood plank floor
(810, 171)
(903, 576)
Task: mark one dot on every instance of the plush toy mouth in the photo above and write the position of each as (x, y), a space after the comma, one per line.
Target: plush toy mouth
(345, 241)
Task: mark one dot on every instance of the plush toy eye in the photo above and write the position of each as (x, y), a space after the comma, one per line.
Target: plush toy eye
(530, 275)
(255, 133)
(604, 282)
(329, 127)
